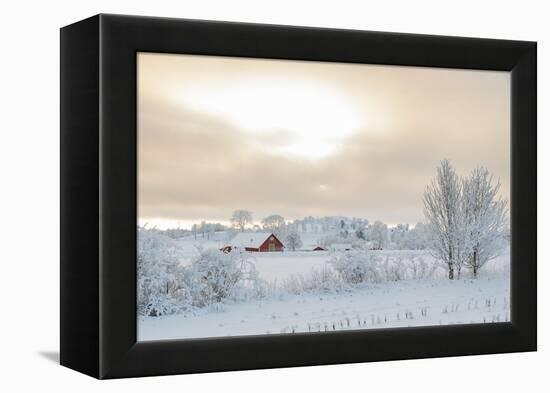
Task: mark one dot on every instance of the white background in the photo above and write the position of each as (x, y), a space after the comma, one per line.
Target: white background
(29, 194)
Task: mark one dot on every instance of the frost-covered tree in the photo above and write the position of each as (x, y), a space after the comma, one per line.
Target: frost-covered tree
(485, 218)
(418, 267)
(377, 233)
(442, 208)
(240, 219)
(274, 223)
(466, 219)
(293, 241)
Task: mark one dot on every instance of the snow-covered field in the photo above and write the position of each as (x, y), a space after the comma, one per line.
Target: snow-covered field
(275, 266)
(433, 301)
(388, 305)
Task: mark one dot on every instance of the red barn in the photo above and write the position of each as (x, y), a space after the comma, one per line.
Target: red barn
(256, 241)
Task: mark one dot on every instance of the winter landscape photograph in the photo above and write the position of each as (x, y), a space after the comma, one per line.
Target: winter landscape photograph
(291, 197)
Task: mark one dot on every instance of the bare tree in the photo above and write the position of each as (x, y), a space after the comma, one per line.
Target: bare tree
(442, 202)
(484, 218)
(240, 218)
(274, 223)
(293, 241)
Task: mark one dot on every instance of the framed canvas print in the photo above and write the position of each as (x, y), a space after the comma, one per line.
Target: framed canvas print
(296, 196)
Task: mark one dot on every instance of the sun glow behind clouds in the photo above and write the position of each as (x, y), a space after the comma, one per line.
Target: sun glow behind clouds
(310, 119)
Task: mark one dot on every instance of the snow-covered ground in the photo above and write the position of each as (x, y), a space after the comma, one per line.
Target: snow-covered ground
(434, 301)
(278, 266)
(388, 305)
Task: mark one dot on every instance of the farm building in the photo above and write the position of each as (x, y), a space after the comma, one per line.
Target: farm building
(255, 241)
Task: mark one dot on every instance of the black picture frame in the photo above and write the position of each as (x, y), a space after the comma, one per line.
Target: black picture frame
(98, 195)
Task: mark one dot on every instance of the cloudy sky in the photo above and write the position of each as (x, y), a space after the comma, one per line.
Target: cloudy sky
(300, 138)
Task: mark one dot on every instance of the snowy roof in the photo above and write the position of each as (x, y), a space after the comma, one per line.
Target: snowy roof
(250, 239)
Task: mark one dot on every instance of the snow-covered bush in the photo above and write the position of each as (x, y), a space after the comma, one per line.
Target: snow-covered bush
(319, 280)
(401, 265)
(294, 284)
(366, 266)
(212, 276)
(418, 268)
(325, 280)
(250, 286)
(159, 275)
(165, 286)
(393, 269)
(356, 266)
(215, 276)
